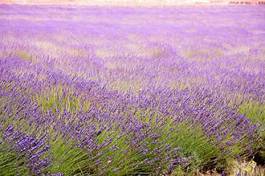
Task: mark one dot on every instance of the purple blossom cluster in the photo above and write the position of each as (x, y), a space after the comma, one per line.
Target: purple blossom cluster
(33, 149)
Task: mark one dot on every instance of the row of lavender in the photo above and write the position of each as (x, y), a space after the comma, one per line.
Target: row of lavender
(109, 91)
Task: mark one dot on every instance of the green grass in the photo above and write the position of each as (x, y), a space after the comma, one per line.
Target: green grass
(193, 143)
(68, 159)
(11, 162)
(118, 157)
(190, 138)
(60, 99)
(256, 113)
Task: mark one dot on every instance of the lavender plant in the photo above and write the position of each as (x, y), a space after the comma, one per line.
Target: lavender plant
(130, 91)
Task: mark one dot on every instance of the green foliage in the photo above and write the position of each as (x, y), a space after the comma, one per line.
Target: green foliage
(117, 156)
(192, 142)
(188, 137)
(256, 113)
(11, 162)
(24, 55)
(60, 99)
(68, 159)
(178, 171)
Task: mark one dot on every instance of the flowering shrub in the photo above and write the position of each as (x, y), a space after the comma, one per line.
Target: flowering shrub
(125, 91)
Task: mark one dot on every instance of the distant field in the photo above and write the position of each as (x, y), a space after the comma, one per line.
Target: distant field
(132, 91)
(113, 2)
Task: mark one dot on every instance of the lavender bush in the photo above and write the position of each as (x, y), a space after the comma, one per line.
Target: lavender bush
(126, 91)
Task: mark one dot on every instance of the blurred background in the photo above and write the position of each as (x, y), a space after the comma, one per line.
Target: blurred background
(127, 2)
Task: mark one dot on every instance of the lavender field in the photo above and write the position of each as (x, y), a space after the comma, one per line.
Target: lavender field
(105, 91)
